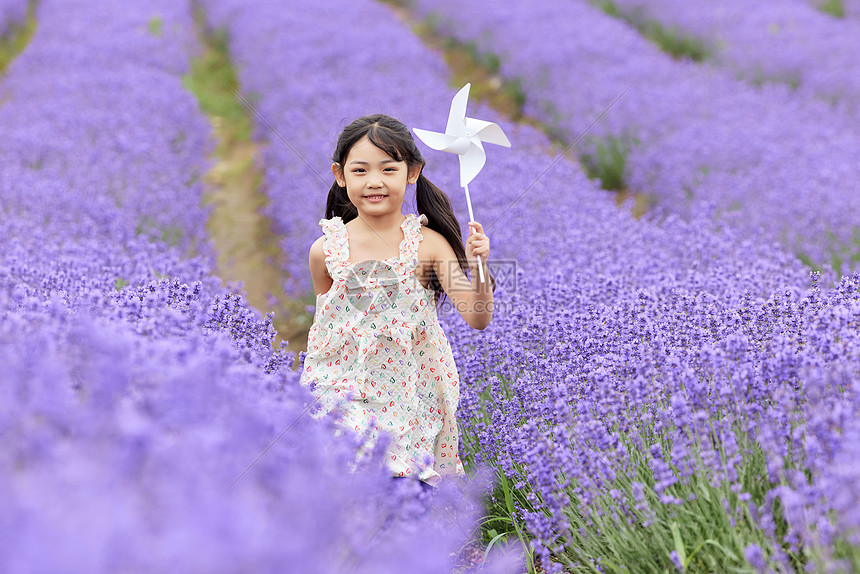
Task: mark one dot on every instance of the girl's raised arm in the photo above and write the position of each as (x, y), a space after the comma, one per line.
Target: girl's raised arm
(472, 299)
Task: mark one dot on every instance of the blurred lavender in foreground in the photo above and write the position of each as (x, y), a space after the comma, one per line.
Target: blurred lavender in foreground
(11, 12)
(851, 7)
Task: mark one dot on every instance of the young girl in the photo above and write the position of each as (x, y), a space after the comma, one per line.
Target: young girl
(377, 355)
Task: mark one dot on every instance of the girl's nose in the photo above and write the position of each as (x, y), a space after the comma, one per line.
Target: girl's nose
(374, 181)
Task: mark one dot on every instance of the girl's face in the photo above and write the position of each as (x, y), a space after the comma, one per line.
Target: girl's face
(375, 182)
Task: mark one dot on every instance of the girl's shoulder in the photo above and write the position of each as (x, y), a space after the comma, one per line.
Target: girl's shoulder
(317, 251)
(418, 222)
(432, 244)
(430, 235)
(316, 260)
(317, 245)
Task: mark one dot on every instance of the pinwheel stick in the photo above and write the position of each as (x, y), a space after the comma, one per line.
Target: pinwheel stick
(472, 218)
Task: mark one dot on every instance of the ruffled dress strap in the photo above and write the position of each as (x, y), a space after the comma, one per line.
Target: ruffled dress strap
(335, 244)
(411, 238)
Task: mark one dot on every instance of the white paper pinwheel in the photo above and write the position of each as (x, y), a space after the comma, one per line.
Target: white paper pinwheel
(463, 136)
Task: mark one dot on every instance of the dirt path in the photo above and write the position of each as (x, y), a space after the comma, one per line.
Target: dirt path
(248, 251)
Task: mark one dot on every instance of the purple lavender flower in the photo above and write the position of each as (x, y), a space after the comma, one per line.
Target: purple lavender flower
(754, 555)
(133, 377)
(697, 138)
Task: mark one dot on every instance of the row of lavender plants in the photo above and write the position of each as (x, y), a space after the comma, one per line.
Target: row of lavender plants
(686, 135)
(649, 393)
(147, 423)
(785, 41)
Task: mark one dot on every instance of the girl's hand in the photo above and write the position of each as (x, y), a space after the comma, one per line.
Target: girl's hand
(477, 244)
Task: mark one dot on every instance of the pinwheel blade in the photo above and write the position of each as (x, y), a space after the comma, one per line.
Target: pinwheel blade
(457, 115)
(442, 142)
(488, 132)
(472, 162)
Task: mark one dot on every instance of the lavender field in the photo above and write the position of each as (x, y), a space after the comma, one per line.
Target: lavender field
(670, 386)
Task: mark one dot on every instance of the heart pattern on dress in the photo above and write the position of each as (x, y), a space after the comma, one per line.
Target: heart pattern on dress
(379, 354)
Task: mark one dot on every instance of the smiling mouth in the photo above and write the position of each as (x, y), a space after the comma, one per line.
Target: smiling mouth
(379, 196)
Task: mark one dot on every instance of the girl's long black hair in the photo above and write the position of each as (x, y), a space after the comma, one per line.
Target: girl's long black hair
(394, 138)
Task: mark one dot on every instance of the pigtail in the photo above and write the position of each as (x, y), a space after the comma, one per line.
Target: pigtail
(435, 204)
(339, 205)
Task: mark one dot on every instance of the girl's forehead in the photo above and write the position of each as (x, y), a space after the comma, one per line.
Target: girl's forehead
(365, 150)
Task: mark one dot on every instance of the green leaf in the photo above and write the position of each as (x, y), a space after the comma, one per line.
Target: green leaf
(495, 539)
(679, 545)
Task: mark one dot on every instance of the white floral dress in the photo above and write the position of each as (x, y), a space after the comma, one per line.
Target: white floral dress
(377, 351)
